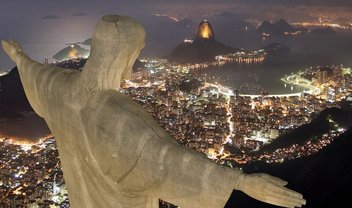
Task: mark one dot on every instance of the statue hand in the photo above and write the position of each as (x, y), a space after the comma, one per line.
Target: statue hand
(12, 48)
(269, 189)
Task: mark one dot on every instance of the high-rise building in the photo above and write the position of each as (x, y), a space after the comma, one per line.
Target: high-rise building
(274, 133)
(322, 76)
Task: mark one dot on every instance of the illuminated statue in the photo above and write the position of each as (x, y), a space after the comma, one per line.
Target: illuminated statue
(113, 153)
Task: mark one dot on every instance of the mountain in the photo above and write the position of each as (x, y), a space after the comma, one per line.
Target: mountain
(13, 100)
(198, 51)
(276, 49)
(17, 118)
(278, 28)
(202, 48)
(72, 51)
(27, 127)
(324, 178)
(324, 122)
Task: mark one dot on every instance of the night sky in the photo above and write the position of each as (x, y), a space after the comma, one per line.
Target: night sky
(45, 26)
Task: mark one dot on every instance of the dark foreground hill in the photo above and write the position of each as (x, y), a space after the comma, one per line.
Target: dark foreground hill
(13, 100)
(324, 178)
(324, 122)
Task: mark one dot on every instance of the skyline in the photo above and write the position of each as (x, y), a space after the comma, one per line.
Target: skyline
(45, 27)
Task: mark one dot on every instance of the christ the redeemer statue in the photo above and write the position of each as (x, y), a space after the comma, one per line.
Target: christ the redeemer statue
(113, 153)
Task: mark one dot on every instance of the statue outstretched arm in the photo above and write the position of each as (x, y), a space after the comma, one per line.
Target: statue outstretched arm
(189, 179)
(35, 77)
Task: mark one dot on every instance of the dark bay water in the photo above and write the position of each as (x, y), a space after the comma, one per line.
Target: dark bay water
(306, 50)
(252, 79)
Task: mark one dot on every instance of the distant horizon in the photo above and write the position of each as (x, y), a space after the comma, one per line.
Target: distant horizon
(43, 28)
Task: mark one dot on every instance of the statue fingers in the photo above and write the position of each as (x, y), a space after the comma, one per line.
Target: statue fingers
(285, 191)
(15, 44)
(285, 194)
(284, 201)
(7, 47)
(5, 44)
(275, 180)
(9, 50)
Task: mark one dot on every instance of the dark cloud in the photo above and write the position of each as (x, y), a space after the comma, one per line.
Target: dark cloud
(79, 14)
(50, 16)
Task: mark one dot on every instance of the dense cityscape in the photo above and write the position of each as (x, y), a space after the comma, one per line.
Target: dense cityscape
(228, 127)
(208, 117)
(264, 87)
(31, 174)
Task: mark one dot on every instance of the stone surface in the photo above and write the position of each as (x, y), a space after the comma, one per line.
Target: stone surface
(113, 153)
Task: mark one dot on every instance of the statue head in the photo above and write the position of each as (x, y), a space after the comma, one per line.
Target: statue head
(116, 44)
